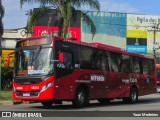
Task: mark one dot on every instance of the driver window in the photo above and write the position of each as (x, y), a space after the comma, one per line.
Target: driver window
(67, 60)
(67, 64)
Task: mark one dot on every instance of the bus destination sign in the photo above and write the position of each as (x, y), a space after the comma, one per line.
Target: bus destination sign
(34, 42)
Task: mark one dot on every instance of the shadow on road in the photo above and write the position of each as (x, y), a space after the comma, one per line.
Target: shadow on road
(95, 104)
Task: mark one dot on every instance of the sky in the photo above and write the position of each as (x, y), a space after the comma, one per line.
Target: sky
(15, 17)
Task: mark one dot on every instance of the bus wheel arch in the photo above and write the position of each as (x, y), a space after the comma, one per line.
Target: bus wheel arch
(133, 96)
(81, 97)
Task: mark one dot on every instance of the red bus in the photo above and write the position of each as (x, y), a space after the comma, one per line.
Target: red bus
(52, 70)
(158, 77)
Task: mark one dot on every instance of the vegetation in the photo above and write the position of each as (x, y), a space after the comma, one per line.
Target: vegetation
(6, 95)
(66, 10)
(6, 75)
(34, 16)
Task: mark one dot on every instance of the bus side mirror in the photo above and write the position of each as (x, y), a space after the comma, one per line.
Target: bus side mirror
(9, 58)
(61, 57)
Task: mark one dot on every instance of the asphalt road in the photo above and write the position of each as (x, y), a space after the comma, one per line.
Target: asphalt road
(149, 105)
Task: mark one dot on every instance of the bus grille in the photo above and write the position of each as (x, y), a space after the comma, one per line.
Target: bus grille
(27, 94)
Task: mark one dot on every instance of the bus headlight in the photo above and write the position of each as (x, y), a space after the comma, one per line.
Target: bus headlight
(46, 86)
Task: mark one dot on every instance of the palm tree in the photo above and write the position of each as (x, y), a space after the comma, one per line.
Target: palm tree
(66, 10)
(34, 16)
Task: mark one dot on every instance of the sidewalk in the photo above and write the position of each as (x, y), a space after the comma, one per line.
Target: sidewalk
(9, 102)
(6, 102)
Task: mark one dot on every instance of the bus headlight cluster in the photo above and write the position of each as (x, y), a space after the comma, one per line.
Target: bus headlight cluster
(46, 86)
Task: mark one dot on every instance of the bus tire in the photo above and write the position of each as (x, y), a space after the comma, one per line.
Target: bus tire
(47, 103)
(80, 97)
(133, 98)
(104, 100)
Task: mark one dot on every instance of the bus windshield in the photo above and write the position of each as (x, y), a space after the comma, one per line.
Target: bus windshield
(35, 61)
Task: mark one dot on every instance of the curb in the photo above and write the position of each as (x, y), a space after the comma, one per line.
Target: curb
(17, 102)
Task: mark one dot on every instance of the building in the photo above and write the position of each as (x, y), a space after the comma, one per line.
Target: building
(9, 39)
(133, 32)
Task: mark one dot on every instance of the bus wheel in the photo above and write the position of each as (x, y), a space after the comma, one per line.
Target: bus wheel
(104, 100)
(47, 103)
(80, 97)
(133, 98)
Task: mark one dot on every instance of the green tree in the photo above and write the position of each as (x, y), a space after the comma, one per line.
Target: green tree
(34, 16)
(66, 10)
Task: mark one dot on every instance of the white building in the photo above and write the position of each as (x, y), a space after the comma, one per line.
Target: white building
(10, 37)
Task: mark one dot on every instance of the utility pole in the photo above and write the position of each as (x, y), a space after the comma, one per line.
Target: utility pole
(1, 33)
(155, 29)
(28, 16)
(0, 64)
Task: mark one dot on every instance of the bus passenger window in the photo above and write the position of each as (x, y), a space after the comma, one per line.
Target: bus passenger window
(114, 61)
(136, 65)
(146, 66)
(125, 63)
(101, 60)
(86, 58)
(152, 67)
(68, 60)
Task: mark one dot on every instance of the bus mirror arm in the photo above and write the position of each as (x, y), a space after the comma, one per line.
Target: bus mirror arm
(52, 61)
(9, 58)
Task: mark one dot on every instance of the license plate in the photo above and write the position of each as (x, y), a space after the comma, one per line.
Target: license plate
(26, 94)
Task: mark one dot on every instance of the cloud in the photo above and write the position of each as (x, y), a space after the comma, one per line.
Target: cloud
(15, 16)
(111, 6)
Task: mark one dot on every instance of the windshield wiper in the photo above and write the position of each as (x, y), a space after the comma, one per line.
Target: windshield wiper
(37, 53)
(22, 57)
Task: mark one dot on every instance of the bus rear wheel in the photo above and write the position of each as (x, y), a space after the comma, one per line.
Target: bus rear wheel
(47, 103)
(80, 97)
(133, 98)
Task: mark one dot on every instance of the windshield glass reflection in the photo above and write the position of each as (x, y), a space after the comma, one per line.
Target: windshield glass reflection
(34, 61)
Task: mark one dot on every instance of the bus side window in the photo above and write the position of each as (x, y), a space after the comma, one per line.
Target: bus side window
(146, 66)
(100, 61)
(86, 58)
(105, 63)
(114, 61)
(136, 65)
(68, 60)
(158, 73)
(152, 67)
(125, 63)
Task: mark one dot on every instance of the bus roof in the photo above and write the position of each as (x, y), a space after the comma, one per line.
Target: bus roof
(107, 47)
(95, 45)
